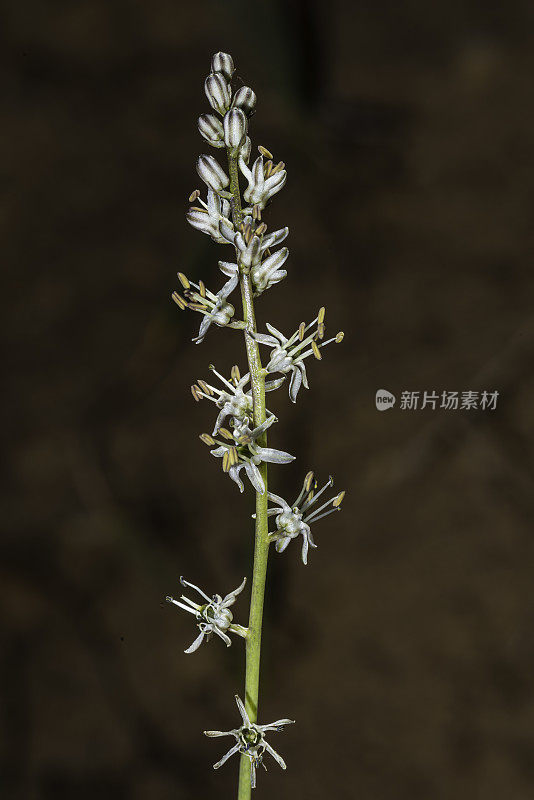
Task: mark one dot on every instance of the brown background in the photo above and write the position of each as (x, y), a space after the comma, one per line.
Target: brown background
(405, 649)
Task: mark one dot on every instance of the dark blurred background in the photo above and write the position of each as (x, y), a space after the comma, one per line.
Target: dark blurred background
(405, 648)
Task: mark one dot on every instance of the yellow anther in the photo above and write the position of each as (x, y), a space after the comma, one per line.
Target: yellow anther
(194, 195)
(339, 337)
(316, 351)
(308, 480)
(265, 152)
(225, 433)
(302, 327)
(183, 280)
(204, 386)
(336, 502)
(207, 439)
(179, 300)
(195, 391)
(235, 374)
(320, 315)
(260, 230)
(201, 288)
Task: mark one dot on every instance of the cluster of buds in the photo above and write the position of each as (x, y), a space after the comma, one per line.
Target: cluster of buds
(238, 437)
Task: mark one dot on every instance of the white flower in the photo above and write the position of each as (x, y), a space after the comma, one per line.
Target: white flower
(218, 92)
(215, 307)
(264, 181)
(213, 617)
(250, 741)
(250, 250)
(241, 451)
(295, 520)
(211, 129)
(223, 62)
(235, 129)
(288, 355)
(245, 98)
(233, 401)
(212, 173)
(213, 218)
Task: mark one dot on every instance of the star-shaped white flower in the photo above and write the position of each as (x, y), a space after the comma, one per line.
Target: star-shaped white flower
(287, 355)
(213, 218)
(295, 520)
(251, 742)
(233, 401)
(215, 307)
(213, 617)
(264, 181)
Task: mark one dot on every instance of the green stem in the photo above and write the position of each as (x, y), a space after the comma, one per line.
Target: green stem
(261, 548)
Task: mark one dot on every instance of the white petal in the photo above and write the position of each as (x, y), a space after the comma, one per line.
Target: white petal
(278, 758)
(272, 456)
(227, 755)
(196, 644)
(244, 716)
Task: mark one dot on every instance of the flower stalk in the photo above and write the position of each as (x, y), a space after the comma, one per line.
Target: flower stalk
(261, 540)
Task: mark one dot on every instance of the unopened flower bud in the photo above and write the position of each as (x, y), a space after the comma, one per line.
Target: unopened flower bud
(235, 129)
(223, 62)
(212, 173)
(211, 129)
(245, 98)
(218, 92)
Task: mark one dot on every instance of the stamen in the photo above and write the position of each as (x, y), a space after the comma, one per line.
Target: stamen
(180, 302)
(194, 195)
(317, 511)
(265, 152)
(195, 391)
(226, 434)
(338, 500)
(205, 387)
(207, 439)
(260, 230)
(227, 383)
(183, 280)
(302, 328)
(202, 288)
(316, 351)
(256, 212)
(235, 373)
(267, 168)
(192, 586)
(339, 337)
(306, 486)
(313, 499)
(226, 461)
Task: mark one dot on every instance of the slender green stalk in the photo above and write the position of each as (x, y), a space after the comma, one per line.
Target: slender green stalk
(261, 548)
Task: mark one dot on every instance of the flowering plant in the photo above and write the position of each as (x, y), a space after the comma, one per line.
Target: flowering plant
(234, 218)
